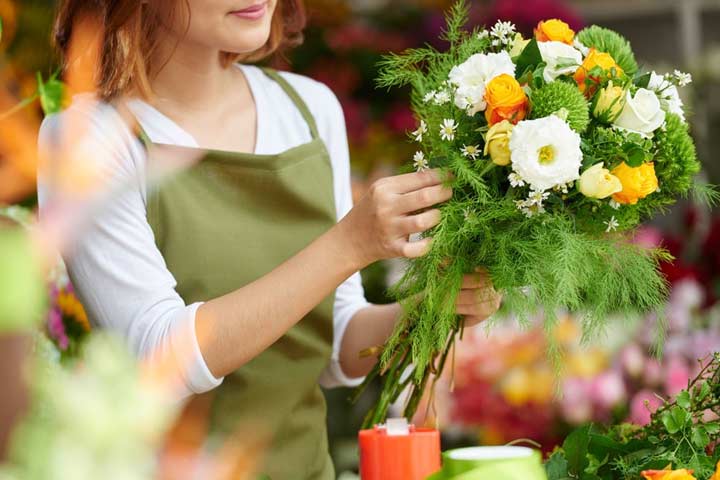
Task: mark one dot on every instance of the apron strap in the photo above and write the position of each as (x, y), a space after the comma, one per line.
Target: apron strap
(295, 97)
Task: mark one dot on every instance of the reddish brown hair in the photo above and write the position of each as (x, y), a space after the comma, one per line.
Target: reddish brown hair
(128, 38)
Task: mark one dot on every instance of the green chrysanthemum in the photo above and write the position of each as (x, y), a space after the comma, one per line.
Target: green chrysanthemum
(610, 42)
(561, 97)
(676, 162)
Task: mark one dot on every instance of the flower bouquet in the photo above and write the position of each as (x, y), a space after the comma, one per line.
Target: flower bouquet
(556, 148)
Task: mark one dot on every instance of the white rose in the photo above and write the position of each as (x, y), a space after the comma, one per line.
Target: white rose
(560, 58)
(471, 77)
(545, 152)
(668, 94)
(642, 113)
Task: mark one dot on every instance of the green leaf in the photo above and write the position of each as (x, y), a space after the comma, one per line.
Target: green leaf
(712, 427)
(643, 81)
(700, 436)
(557, 467)
(1, 29)
(528, 59)
(675, 419)
(635, 155)
(50, 93)
(704, 391)
(683, 399)
(576, 448)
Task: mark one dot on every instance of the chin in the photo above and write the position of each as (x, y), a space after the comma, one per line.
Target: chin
(247, 41)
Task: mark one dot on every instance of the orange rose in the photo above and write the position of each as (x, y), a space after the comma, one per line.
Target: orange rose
(716, 475)
(506, 100)
(554, 31)
(597, 59)
(637, 182)
(668, 474)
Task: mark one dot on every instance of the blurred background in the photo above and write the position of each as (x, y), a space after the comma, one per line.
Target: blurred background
(504, 386)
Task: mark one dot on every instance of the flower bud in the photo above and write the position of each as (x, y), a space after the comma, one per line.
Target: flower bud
(598, 182)
(609, 103)
(497, 143)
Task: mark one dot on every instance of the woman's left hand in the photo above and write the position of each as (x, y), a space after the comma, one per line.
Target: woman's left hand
(477, 300)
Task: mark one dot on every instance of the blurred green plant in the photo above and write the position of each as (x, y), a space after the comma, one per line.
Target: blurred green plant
(682, 432)
(94, 419)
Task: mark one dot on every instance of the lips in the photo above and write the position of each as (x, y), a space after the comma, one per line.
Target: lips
(253, 12)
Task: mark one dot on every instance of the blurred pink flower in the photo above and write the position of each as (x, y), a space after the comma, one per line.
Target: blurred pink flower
(640, 410)
(357, 119)
(608, 389)
(653, 372)
(342, 77)
(56, 329)
(649, 237)
(400, 118)
(632, 359)
(677, 375)
(575, 404)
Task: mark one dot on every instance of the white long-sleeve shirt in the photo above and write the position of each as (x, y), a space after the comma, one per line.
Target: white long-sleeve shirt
(115, 265)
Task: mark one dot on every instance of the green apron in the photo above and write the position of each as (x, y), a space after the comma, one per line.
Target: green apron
(225, 222)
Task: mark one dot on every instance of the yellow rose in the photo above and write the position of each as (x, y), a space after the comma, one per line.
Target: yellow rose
(637, 182)
(598, 182)
(596, 59)
(554, 31)
(609, 103)
(506, 100)
(518, 45)
(497, 143)
(668, 474)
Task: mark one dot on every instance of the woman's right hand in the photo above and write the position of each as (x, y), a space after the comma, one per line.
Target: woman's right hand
(393, 209)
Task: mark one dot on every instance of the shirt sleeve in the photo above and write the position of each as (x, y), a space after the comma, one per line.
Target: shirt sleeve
(116, 268)
(349, 296)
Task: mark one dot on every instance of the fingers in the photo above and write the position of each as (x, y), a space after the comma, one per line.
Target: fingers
(484, 309)
(422, 198)
(420, 223)
(476, 280)
(416, 249)
(410, 182)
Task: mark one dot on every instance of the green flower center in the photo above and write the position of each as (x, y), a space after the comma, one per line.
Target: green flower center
(546, 155)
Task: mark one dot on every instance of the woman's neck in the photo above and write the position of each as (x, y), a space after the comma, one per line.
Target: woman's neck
(192, 78)
(211, 102)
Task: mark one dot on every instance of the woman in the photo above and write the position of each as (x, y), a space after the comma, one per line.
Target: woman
(244, 264)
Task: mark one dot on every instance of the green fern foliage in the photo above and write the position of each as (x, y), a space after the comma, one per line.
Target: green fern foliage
(610, 42)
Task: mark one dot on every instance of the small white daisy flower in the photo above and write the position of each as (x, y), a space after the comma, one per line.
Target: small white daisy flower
(504, 32)
(682, 78)
(537, 197)
(447, 129)
(429, 96)
(420, 162)
(612, 225)
(467, 213)
(422, 130)
(613, 204)
(516, 180)
(470, 151)
(442, 97)
(483, 34)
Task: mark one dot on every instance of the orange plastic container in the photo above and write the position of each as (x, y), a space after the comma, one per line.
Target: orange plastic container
(414, 456)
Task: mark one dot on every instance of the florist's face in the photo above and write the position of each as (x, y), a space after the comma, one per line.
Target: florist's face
(234, 26)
